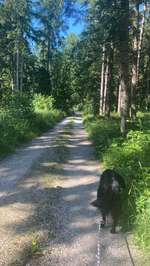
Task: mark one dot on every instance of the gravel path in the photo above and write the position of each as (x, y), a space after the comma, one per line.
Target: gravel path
(45, 214)
(76, 241)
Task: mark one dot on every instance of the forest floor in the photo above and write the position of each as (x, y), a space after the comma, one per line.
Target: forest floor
(45, 214)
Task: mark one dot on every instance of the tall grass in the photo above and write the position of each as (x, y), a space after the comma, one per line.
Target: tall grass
(23, 117)
(129, 156)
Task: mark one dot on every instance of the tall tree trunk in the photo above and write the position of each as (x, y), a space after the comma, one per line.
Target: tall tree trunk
(49, 61)
(142, 25)
(119, 99)
(138, 30)
(102, 82)
(124, 63)
(21, 73)
(106, 73)
(147, 96)
(17, 67)
(134, 78)
(110, 62)
(48, 54)
(13, 71)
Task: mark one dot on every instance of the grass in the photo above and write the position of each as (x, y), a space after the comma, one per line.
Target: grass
(129, 156)
(23, 117)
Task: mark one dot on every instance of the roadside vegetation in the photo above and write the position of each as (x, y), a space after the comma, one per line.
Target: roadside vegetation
(23, 117)
(130, 157)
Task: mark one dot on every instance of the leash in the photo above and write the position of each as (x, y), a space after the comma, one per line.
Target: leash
(129, 251)
(98, 256)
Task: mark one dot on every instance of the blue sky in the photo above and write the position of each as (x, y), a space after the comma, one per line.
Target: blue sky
(75, 28)
(76, 22)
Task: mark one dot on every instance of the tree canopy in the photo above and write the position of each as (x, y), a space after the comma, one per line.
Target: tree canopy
(108, 64)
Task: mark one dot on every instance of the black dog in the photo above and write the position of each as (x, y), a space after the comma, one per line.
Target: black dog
(109, 196)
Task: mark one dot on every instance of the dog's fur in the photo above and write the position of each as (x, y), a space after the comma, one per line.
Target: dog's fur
(109, 196)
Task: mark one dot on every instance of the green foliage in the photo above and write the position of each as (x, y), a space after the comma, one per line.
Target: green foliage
(102, 132)
(23, 117)
(88, 108)
(42, 103)
(130, 157)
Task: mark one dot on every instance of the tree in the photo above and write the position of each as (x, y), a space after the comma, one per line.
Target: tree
(15, 21)
(124, 62)
(138, 18)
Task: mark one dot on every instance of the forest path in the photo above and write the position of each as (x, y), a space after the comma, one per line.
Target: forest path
(45, 212)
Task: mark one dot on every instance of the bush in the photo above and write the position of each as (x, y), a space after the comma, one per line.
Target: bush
(42, 103)
(102, 132)
(130, 157)
(23, 117)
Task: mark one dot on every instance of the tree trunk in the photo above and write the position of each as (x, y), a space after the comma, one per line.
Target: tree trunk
(110, 63)
(119, 99)
(102, 82)
(17, 67)
(48, 55)
(13, 71)
(138, 30)
(21, 73)
(106, 73)
(142, 24)
(49, 62)
(124, 63)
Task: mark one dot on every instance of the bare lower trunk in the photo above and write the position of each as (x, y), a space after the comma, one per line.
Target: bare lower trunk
(137, 45)
(102, 83)
(119, 99)
(110, 64)
(124, 63)
(13, 78)
(134, 81)
(17, 69)
(21, 73)
(48, 55)
(49, 63)
(12, 85)
(141, 40)
(105, 86)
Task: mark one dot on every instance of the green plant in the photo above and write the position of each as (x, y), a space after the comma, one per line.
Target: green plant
(42, 103)
(130, 157)
(23, 117)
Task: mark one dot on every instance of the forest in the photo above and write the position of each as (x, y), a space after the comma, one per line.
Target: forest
(47, 73)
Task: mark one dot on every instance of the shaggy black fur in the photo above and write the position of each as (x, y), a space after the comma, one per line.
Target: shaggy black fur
(109, 196)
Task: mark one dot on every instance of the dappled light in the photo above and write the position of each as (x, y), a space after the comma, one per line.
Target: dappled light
(74, 104)
(53, 204)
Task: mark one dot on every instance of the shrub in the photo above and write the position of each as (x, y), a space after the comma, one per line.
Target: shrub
(23, 117)
(102, 132)
(130, 157)
(42, 103)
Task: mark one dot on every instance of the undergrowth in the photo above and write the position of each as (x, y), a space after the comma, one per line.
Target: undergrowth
(23, 117)
(129, 156)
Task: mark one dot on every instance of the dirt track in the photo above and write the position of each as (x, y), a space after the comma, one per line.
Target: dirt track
(45, 213)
